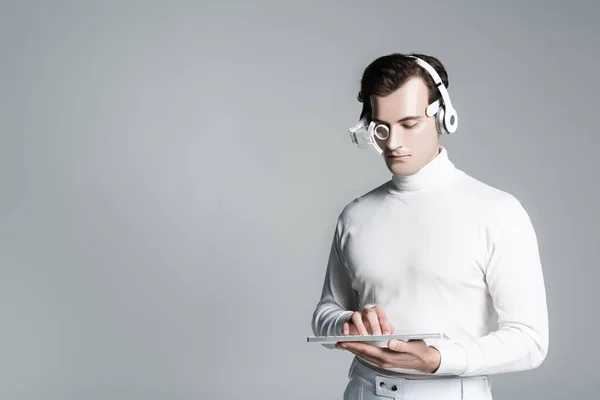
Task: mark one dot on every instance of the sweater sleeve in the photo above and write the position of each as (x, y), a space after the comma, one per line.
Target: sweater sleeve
(516, 285)
(338, 299)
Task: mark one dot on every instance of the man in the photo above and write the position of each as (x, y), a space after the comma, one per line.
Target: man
(431, 250)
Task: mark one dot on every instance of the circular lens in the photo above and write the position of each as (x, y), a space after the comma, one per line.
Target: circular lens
(452, 119)
(382, 132)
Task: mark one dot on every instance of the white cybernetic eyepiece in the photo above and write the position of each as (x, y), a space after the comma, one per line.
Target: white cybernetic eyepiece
(363, 135)
(382, 132)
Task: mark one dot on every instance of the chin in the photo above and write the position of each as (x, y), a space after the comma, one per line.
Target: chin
(401, 169)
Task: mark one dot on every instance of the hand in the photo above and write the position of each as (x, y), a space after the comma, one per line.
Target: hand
(368, 321)
(414, 354)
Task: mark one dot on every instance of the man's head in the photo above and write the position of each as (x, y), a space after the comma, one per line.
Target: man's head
(395, 91)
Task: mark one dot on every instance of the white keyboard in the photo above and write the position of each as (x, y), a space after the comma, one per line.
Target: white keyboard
(375, 340)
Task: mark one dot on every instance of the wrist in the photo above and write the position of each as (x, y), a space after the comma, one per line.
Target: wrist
(434, 360)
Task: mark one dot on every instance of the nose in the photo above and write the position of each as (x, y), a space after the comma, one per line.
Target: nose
(396, 138)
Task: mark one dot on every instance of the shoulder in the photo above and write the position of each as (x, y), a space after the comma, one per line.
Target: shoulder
(495, 206)
(495, 199)
(362, 206)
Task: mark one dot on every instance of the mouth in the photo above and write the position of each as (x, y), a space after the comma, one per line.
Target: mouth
(399, 157)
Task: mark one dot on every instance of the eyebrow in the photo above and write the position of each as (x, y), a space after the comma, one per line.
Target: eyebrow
(400, 120)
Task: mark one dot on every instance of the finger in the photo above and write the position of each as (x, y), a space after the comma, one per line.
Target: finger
(384, 322)
(372, 317)
(360, 327)
(367, 326)
(346, 329)
(354, 329)
(386, 326)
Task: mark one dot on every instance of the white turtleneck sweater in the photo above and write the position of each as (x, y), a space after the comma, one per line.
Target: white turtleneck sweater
(440, 251)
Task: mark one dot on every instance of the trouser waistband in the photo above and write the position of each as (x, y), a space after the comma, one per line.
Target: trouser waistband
(396, 387)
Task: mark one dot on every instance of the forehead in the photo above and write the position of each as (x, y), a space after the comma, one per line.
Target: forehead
(412, 98)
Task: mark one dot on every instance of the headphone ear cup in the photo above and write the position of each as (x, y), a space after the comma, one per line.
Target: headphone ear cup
(439, 122)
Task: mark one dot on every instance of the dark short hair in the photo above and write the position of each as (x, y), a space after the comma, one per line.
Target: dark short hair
(387, 73)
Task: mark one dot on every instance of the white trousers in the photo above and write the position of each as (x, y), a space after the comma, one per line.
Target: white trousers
(366, 383)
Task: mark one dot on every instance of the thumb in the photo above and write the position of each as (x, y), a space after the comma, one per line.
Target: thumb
(407, 346)
(398, 345)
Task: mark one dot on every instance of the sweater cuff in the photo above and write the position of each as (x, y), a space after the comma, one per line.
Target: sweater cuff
(454, 360)
(339, 325)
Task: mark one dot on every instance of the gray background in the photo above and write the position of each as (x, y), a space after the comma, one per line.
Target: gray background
(171, 174)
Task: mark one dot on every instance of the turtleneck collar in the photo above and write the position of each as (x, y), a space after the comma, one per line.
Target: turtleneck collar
(437, 173)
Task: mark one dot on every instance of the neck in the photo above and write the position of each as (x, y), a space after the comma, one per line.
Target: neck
(437, 173)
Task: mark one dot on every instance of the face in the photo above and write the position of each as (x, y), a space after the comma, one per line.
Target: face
(413, 139)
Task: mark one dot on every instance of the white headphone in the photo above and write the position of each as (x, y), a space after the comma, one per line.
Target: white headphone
(446, 120)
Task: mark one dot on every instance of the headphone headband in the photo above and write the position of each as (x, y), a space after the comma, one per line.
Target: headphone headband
(449, 119)
(430, 69)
